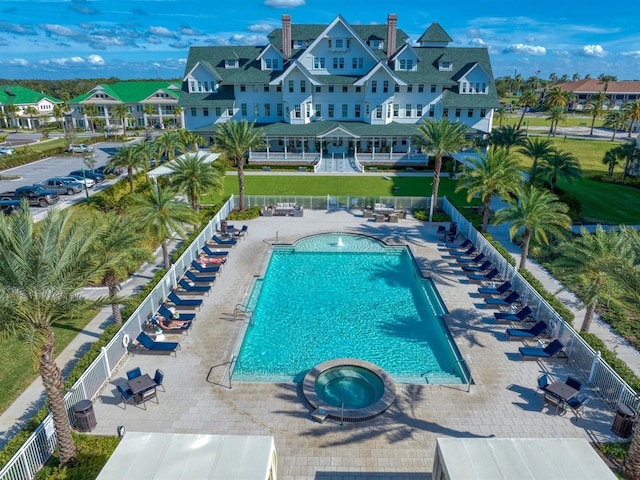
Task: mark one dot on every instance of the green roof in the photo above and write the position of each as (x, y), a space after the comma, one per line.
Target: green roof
(133, 92)
(453, 99)
(435, 33)
(223, 98)
(314, 129)
(18, 95)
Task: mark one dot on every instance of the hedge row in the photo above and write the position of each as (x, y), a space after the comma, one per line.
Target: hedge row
(618, 365)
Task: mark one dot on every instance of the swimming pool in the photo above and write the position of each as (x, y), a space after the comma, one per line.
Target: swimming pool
(338, 296)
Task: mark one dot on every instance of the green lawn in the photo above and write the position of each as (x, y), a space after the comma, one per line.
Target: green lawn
(541, 121)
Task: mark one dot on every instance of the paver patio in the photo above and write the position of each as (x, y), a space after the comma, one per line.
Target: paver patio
(398, 444)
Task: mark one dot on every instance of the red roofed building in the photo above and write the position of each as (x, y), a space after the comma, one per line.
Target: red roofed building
(619, 93)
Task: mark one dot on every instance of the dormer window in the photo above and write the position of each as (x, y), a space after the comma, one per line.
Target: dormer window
(405, 64)
(300, 44)
(445, 66)
(339, 44)
(271, 64)
(376, 44)
(232, 63)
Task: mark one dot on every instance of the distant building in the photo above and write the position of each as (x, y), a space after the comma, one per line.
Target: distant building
(15, 102)
(150, 105)
(618, 93)
(339, 90)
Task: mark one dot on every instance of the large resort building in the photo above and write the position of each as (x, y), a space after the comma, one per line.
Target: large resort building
(339, 90)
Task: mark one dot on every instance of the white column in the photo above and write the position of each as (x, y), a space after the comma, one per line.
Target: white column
(160, 117)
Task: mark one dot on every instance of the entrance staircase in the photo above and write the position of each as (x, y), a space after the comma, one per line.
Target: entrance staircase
(337, 164)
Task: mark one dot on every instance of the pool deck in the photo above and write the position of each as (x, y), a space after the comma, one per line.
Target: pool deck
(398, 444)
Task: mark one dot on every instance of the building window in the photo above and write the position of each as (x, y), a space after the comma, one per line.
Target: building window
(199, 86)
(318, 110)
(230, 112)
(339, 42)
(278, 88)
(396, 88)
(388, 107)
(358, 89)
(330, 88)
(331, 110)
(483, 112)
(419, 110)
(379, 111)
(374, 86)
(409, 88)
(290, 86)
(218, 111)
(345, 89)
(358, 110)
(307, 109)
(458, 112)
(318, 63)
(206, 87)
(243, 109)
(256, 110)
(432, 110)
(296, 111)
(243, 88)
(329, 43)
(407, 110)
(470, 113)
(433, 89)
(477, 88)
(303, 86)
(266, 88)
(484, 88)
(341, 63)
(194, 113)
(464, 87)
(205, 111)
(406, 64)
(445, 112)
(231, 63)
(367, 110)
(335, 62)
(279, 110)
(385, 86)
(420, 88)
(318, 88)
(396, 110)
(267, 109)
(192, 86)
(345, 110)
(357, 62)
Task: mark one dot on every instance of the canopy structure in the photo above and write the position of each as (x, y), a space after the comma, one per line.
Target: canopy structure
(518, 459)
(166, 170)
(156, 456)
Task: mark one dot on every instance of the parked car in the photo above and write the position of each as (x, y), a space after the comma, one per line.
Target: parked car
(92, 174)
(90, 183)
(7, 151)
(79, 148)
(61, 186)
(107, 170)
(9, 206)
(36, 195)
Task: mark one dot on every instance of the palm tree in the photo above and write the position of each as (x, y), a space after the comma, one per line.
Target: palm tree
(191, 175)
(177, 112)
(120, 251)
(121, 112)
(536, 149)
(60, 110)
(557, 97)
(595, 107)
(91, 110)
(555, 116)
(188, 141)
(497, 173)
(594, 261)
(236, 140)
(128, 157)
(615, 120)
(32, 112)
(499, 114)
(529, 99)
(506, 137)
(632, 110)
(148, 155)
(559, 164)
(167, 144)
(159, 215)
(42, 267)
(537, 212)
(629, 153)
(148, 110)
(611, 160)
(11, 110)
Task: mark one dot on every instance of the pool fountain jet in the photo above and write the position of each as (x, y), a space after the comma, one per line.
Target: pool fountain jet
(340, 242)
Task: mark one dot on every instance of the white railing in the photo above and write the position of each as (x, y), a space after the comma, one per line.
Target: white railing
(613, 389)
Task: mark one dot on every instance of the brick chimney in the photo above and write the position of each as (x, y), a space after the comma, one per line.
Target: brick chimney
(392, 22)
(286, 35)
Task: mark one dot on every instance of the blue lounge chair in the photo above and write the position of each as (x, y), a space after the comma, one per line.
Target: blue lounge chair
(213, 253)
(479, 277)
(524, 333)
(464, 245)
(199, 279)
(184, 302)
(499, 290)
(146, 342)
(477, 259)
(166, 313)
(533, 353)
(201, 269)
(486, 265)
(512, 298)
(184, 328)
(192, 287)
(522, 316)
(463, 253)
(230, 242)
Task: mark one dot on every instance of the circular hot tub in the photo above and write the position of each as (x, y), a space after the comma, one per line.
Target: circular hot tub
(348, 389)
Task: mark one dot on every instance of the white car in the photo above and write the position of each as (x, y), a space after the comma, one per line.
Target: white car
(7, 151)
(90, 183)
(79, 148)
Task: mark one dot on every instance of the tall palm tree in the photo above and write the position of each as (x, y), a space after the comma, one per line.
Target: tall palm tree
(557, 97)
(506, 137)
(148, 110)
(441, 138)
(529, 99)
(537, 212)
(148, 155)
(189, 141)
(595, 107)
(42, 267)
(91, 110)
(12, 111)
(629, 153)
(611, 160)
(615, 120)
(32, 112)
(536, 149)
(127, 157)
(121, 112)
(60, 110)
(236, 140)
(555, 115)
(594, 261)
(120, 251)
(167, 144)
(632, 109)
(559, 164)
(496, 173)
(177, 112)
(159, 215)
(191, 175)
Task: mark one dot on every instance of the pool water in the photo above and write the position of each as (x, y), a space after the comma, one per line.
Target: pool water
(349, 387)
(338, 296)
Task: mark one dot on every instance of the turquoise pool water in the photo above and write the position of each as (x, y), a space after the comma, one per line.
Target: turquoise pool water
(337, 296)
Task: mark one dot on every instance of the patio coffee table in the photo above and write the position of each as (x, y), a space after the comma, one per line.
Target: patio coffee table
(139, 384)
(561, 390)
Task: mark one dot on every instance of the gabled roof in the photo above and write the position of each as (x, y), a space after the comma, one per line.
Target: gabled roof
(19, 95)
(295, 65)
(270, 47)
(248, 70)
(590, 85)
(468, 68)
(380, 66)
(405, 47)
(131, 92)
(207, 66)
(435, 33)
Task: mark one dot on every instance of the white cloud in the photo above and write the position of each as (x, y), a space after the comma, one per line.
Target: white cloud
(260, 27)
(95, 60)
(57, 29)
(161, 31)
(284, 3)
(592, 51)
(525, 49)
(563, 53)
(632, 54)
(240, 39)
(18, 62)
(186, 30)
(479, 42)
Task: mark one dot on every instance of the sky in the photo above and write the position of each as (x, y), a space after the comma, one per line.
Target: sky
(56, 39)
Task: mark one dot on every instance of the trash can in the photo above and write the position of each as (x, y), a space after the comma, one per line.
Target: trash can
(624, 421)
(85, 416)
(223, 226)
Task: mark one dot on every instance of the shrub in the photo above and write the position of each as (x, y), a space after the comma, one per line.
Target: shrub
(421, 214)
(573, 203)
(248, 214)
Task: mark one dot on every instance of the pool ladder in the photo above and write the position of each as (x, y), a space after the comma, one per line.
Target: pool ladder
(241, 312)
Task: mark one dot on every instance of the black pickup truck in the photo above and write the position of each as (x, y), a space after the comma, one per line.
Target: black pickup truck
(37, 196)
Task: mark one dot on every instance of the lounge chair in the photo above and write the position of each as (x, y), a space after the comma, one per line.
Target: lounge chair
(499, 290)
(213, 253)
(533, 353)
(184, 302)
(191, 287)
(522, 316)
(441, 232)
(229, 243)
(201, 269)
(477, 259)
(463, 253)
(527, 333)
(512, 298)
(166, 313)
(147, 343)
(185, 328)
(486, 265)
(478, 277)
(462, 246)
(198, 278)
